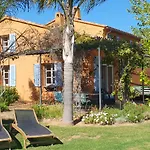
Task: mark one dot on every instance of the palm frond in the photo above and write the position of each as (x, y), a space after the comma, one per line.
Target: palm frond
(90, 4)
(10, 7)
(42, 4)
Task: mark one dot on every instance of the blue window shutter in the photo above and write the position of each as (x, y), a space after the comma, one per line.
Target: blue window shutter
(12, 42)
(59, 79)
(37, 74)
(12, 75)
(96, 74)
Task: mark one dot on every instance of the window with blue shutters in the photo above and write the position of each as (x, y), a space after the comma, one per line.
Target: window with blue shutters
(53, 74)
(37, 74)
(8, 42)
(12, 75)
(12, 42)
(50, 74)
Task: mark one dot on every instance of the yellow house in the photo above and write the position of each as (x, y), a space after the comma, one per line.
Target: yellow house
(24, 72)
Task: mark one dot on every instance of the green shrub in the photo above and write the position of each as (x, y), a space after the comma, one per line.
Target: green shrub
(146, 115)
(55, 111)
(114, 111)
(133, 112)
(51, 111)
(9, 96)
(148, 101)
(3, 107)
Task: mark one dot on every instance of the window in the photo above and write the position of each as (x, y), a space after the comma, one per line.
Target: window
(5, 72)
(8, 42)
(131, 41)
(118, 38)
(5, 42)
(107, 77)
(104, 76)
(50, 72)
(109, 36)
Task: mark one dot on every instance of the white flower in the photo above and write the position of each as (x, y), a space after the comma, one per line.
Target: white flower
(97, 120)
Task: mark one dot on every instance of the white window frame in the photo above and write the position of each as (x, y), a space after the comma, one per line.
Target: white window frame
(4, 75)
(5, 43)
(52, 71)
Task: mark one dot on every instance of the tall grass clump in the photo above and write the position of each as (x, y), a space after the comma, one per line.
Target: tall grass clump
(49, 111)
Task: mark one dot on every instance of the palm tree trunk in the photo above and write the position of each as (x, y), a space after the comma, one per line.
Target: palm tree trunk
(68, 42)
(68, 88)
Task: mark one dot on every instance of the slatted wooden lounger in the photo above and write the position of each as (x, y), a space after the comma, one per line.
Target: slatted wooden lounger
(26, 123)
(4, 135)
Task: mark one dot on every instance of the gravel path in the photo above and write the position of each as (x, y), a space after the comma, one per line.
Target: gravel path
(10, 114)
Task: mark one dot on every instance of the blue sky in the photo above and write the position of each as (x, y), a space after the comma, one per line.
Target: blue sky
(112, 13)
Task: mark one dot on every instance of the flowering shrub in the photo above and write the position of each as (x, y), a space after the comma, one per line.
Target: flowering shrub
(114, 111)
(101, 118)
(133, 112)
(146, 115)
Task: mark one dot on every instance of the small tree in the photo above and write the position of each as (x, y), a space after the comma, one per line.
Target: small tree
(140, 9)
(69, 12)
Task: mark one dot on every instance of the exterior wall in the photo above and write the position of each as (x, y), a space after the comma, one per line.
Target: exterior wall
(24, 75)
(10, 26)
(87, 28)
(25, 33)
(24, 64)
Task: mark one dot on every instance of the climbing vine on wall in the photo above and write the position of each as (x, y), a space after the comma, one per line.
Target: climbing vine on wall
(129, 56)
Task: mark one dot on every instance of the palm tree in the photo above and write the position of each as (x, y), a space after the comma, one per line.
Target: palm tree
(11, 6)
(68, 8)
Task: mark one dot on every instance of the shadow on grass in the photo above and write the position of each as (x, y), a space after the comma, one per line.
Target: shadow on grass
(76, 121)
(44, 142)
(15, 143)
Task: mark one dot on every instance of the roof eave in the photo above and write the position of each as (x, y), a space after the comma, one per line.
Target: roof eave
(123, 32)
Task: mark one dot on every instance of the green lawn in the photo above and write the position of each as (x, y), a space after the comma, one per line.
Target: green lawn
(130, 137)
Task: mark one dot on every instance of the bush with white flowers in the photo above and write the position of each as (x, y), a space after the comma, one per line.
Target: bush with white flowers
(101, 118)
(133, 112)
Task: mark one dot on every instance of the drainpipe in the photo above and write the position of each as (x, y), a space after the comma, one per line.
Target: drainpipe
(99, 69)
(143, 84)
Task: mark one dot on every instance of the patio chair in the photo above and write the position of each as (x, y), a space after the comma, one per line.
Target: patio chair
(4, 136)
(27, 125)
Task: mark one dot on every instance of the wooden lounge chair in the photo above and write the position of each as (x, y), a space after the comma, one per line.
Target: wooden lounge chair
(27, 125)
(4, 136)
